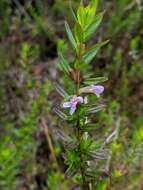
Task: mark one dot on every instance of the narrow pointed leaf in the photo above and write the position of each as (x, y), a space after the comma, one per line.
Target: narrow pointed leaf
(60, 114)
(99, 153)
(89, 127)
(95, 109)
(61, 135)
(90, 12)
(60, 90)
(64, 64)
(90, 54)
(78, 33)
(71, 171)
(94, 4)
(66, 139)
(93, 26)
(70, 35)
(92, 172)
(94, 155)
(72, 11)
(95, 81)
(81, 15)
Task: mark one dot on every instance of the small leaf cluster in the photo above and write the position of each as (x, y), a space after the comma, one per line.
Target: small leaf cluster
(86, 24)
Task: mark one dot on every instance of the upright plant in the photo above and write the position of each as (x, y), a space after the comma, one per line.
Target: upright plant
(82, 153)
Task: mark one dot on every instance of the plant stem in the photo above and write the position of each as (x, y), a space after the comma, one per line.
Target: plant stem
(84, 182)
(85, 185)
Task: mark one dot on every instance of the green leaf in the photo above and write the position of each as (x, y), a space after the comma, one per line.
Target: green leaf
(64, 64)
(95, 109)
(89, 127)
(80, 66)
(101, 185)
(71, 171)
(93, 5)
(6, 153)
(97, 155)
(81, 14)
(73, 157)
(93, 26)
(90, 54)
(61, 46)
(60, 114)
(60, 90)
(93, 175)
(90, 12)
(70, 35)
(95, 81)
(78, 32)
(85, 145)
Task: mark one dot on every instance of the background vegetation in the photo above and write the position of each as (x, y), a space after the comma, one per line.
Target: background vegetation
(30, 150)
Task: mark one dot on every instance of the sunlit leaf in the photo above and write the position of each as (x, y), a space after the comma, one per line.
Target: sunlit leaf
(90, 12)
(117, 173)
(93, 5)
(102, 185)
(81, 14)
(73, 157)
(93, 26)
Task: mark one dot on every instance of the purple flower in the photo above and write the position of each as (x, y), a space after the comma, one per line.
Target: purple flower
(96, 89)
(73, 103)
